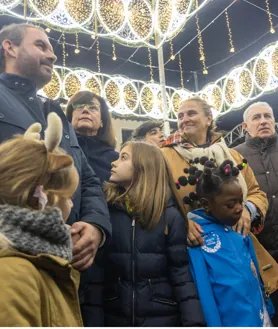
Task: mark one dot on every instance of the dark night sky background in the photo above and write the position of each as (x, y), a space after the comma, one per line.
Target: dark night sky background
(250, 28)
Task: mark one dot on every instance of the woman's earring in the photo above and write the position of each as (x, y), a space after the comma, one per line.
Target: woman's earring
(101, 124)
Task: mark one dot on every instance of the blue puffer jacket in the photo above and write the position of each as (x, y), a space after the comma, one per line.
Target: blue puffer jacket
(226, 273)
(147, 277)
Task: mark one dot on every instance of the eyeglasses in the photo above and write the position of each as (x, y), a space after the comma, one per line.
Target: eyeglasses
(90, 107)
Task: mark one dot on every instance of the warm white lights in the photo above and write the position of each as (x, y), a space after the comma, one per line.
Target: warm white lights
(131, 22)
(133, 97)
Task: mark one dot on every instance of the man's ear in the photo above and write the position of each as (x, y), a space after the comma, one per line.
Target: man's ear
(10, 48)
(205, 204)
(244, 126)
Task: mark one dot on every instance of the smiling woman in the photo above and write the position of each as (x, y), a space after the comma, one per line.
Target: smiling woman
(196, 138)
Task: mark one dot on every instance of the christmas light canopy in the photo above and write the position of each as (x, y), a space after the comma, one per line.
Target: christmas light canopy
(124, 96)
(131, 22)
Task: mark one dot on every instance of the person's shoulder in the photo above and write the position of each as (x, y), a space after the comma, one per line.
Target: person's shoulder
(17, 267)
(240, 147)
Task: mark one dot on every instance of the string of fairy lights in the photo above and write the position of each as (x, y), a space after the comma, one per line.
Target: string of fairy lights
(132, 23)
(124, 96)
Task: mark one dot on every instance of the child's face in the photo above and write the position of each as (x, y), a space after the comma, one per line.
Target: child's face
(122, 169)
(65, 204)
(155, 137)
(227, 207)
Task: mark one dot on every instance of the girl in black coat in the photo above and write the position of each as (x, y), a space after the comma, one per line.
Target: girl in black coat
(147, 277)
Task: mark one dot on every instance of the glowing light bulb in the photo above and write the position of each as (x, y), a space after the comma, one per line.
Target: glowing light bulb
(93, 36)
(47, 30)
(232, 50)
(205, 71)
(77, 51)
(114, 58)
(173, 57)
(272, 30)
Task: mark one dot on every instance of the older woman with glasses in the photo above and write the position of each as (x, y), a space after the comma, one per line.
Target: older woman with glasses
(91, 121)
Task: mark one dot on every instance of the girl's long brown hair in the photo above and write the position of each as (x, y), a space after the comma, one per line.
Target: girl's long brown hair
(152, 185)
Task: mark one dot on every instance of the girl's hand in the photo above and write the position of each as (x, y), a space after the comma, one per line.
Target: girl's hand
(194, 234)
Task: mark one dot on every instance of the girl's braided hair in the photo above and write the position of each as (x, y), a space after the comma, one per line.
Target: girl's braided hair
(209, 181)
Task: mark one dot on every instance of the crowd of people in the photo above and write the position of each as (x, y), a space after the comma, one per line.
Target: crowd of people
(168, 232)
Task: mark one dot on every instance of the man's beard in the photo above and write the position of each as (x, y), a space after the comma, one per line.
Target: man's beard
(30, 69)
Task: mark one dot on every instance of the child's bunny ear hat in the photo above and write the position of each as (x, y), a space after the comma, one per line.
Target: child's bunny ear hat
(53, 133)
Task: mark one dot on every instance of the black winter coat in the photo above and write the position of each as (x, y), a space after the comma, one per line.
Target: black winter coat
(99, 154)
(263, 159)
(147, 277)
(19, 108)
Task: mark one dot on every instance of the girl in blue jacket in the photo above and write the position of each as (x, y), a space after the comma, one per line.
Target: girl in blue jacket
(225, 268)
(147, 277)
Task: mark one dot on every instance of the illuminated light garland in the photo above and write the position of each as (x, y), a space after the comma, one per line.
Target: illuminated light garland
(201, 45)
(45, 7)
(274, 62)
(79, 10)
(164, 12)
(53, 88)
(232, 48)
(112, 93)
(241, 85)
(181, 71)
(150, 65)
(93, 85)
(114, 57)
(111, 14)
(272, 30)
(261, 73)
(77, 50)
(71, 85)
(131, 23)
(172, 56)
(98, 56)
(64, 50)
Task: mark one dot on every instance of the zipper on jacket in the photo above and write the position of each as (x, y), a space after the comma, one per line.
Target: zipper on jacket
(133, 272)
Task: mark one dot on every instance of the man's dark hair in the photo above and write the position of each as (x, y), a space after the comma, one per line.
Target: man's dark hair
(15, 33)
(140, 132)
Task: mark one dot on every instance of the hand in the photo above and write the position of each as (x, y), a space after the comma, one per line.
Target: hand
(85, 248)
(244, 224)
(74, 237)
(194, 237)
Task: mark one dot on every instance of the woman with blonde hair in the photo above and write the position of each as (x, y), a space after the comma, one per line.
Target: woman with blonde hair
(197, 138)
(147, 279)
(39, 286)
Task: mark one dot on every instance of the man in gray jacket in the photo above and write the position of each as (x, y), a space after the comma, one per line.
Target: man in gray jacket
(261, 151)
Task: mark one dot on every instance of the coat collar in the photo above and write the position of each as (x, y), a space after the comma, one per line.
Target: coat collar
(18, 83)
(258, 142)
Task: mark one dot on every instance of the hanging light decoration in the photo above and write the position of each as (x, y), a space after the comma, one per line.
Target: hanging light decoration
(172, 56)
(64, 51)
(232, 48)
(114, 57)
(272, 30)
(133, 23)
(150, 65)
(181, 72)
(98, 56)
(201, 45)
(77, 50)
